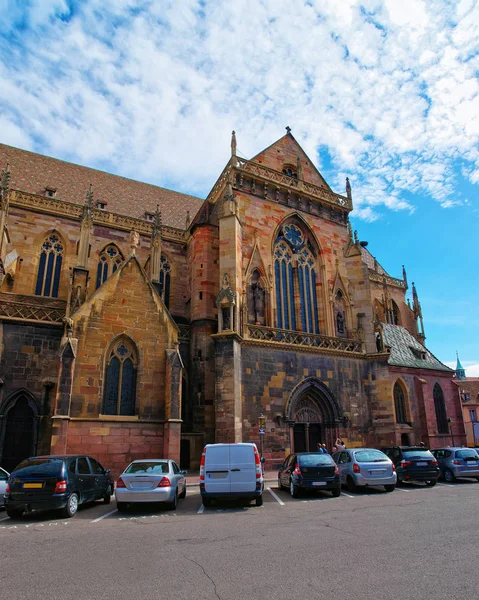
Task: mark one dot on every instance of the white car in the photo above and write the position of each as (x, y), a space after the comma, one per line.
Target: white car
(3, 485)
(150, 480)
(231, 471)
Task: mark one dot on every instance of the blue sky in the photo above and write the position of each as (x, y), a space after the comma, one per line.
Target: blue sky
(384, 91)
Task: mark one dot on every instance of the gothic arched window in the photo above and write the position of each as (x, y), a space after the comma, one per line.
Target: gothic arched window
(290, 171)
(109, 261)
(283, 272)
(395, 314)
(120, 379)
(440, 407)
(400, 403)
(49, 266)
(165, 271)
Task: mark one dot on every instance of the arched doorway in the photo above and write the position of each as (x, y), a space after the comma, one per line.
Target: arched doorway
(18, 433)
(314, 416)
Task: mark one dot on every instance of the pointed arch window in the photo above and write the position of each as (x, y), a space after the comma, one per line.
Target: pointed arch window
(165, 271)
(295, 277)
(109, 261)
(400, 404)
(50, 266)
(120, 379)
(440, 407)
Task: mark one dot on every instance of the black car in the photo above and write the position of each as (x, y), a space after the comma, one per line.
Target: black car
(309, 471)
(414, 464)
(56, 482)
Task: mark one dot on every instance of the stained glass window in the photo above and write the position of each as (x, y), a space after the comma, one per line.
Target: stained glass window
(49, 267)
(440, 406)
(165, 271)
(399, 404)
(109, 261)
(120, 379)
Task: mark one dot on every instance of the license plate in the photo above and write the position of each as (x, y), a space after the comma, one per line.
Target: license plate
(377, 472)
(32, 486)
(421, 464)
(320, 483)
(218, 475)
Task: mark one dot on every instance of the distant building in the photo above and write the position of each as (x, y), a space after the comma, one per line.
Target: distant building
(137, 321)
(468, 390)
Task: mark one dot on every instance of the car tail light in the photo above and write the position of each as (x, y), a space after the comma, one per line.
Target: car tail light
(356, 468)
(164, 482)
(7, 491)
(257, 462)
(454, 462)
(393, 467)
(406, 463)
(336, 469)
(60, 486)
(202, 465)
(120, 483)
(297, 470)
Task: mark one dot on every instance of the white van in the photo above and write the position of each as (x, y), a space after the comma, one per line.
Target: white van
(231, 471)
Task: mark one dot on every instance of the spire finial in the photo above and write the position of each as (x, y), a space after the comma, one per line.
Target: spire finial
(288, 130)
(89, 197)
(348, 188)
(460, 370)
(233, 143)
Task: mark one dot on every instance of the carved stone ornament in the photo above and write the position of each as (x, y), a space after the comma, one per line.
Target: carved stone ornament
(226, 293)
(306, 411)
(134, 241)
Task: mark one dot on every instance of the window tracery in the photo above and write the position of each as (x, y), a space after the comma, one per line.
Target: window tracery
(49, 267)
(440, 407)
(120, 379)
(400, 404)
(109, 261)
(165, 272)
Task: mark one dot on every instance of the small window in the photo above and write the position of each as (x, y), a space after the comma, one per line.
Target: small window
(83, 466)
(101, 204)
(3, 475)
(50, 192)
(72, 467)
(149, 216)
(473, 415)
(290, 171)
(96, 467)
(176, 469)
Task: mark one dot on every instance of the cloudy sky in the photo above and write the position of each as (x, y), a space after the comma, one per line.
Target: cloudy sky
(384, 91)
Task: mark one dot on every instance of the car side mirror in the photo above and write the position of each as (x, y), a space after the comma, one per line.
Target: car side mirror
(263, 460)
(107, 471)
(183, 472)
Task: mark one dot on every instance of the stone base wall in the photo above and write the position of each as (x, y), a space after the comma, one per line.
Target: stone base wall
(113, 444)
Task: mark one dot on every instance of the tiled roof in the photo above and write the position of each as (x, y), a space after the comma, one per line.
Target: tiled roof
(33, 173)
(470, 386)
(406, 351)
(371, 262)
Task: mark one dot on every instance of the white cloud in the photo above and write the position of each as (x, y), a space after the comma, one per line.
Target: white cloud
(152, 90)
(471, 367)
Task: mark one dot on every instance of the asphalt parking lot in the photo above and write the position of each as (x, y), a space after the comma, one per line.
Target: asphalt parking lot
(416, 543)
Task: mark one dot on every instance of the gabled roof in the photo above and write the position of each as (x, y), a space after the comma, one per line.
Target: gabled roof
(34, 173)
(406, 351)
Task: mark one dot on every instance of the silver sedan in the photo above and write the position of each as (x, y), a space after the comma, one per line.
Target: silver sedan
(364, 467)
(150, 480)
(3, 485)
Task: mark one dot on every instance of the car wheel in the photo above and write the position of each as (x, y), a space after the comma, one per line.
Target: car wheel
(293, 490)
(431, 482)
(183, 493)
(336, 492)
(206, 502)
(352, 487)
(107, 496)
(121, 506)
(389, 488)
(71, 508)
(449, 476)
(174, 503)
(259, 501)
(14, 513)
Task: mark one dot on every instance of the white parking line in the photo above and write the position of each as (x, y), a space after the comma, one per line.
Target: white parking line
(104, 516)
(4, 519)
(201, 510)
(348, 495)
(401, 490)
(446, 484)
(275, 496)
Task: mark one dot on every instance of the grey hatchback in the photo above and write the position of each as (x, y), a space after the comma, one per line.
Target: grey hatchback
(457, 462)
(364, 467)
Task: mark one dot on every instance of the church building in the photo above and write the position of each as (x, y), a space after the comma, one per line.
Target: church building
(137, 322)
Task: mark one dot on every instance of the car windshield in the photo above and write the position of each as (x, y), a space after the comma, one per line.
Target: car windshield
(418, 454)
(38, 467)
(147, 468)
(314, 460)
(467, 454)
(370, 456)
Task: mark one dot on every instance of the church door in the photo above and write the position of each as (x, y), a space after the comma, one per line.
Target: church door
(308, 431)
(19, 439)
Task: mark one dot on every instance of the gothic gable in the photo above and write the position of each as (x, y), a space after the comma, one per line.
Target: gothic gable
(283, 155)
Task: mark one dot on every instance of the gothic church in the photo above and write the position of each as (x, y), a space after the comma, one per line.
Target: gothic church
(138, 322)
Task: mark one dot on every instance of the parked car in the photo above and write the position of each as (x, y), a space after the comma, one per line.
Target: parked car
(309, 471)
(231, 471)
(365, 467)
(3, 485)
(457, 462)
(414, 464)
(57, 482)
(150, 480)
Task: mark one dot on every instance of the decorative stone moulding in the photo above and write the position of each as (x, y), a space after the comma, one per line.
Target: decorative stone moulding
(55, 206)
(381, 278)
(32, 309)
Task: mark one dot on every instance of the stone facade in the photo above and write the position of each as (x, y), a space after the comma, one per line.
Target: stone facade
(125, 334)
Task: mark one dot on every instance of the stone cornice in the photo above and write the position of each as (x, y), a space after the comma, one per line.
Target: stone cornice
(386, 279)
(55, 206)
